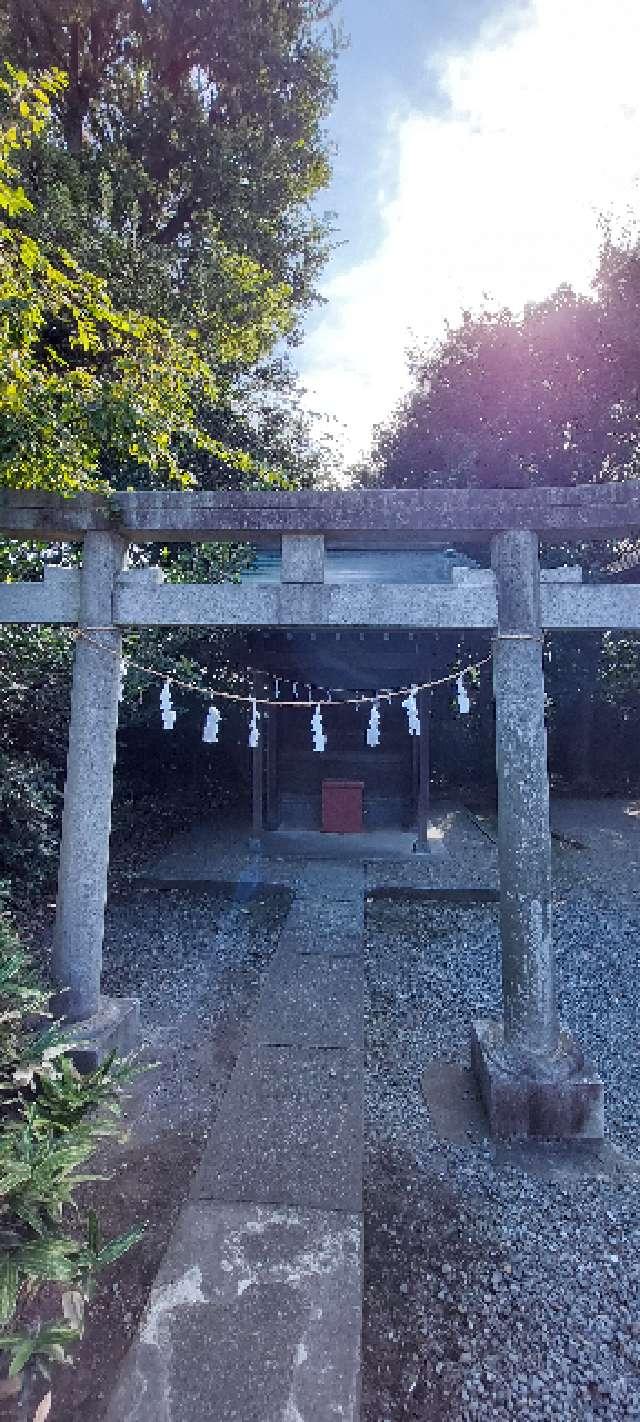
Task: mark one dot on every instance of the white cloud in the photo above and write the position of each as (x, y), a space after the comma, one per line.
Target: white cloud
(500, 196)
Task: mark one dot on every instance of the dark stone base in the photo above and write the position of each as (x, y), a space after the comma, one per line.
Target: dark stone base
(562, 1101)
(115, 1027)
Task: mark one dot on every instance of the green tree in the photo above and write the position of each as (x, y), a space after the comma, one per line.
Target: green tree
(184, 167)
(549, 397)
(189, 130)
(84, 387)
(83, 384)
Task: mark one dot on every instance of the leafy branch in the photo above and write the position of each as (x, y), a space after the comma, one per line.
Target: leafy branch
(84, 385)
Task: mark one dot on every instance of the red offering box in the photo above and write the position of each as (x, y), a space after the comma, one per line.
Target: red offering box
(342, 806)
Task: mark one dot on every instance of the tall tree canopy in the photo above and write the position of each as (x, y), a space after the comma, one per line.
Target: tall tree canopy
(190, 138)
(551, 397)
(181, 168)
(85, 386)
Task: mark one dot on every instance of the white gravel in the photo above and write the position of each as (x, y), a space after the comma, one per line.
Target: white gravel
(493, 1290)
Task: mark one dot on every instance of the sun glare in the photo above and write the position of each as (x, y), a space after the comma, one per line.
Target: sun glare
(500, 198)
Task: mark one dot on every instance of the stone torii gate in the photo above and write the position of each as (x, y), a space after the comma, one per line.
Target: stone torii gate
(532, 1073)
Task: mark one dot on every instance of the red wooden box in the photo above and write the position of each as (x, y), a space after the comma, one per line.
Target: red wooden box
(342, 806)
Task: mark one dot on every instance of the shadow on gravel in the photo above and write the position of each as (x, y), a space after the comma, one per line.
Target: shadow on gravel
(423, 1246)
(501, 1280)
(196, 961)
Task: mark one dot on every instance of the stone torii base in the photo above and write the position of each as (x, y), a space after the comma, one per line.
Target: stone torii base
(559, 1097)
(113, 1027)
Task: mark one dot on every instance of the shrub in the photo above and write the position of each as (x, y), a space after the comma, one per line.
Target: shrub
(53, 1120)
(29, 812)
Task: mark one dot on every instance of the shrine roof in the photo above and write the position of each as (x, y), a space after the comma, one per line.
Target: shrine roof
(350, 565)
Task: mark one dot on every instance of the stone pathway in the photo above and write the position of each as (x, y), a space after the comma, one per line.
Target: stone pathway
(255, 1315)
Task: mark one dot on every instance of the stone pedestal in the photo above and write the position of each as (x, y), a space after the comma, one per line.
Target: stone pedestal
(114, 1027)
(557, 1096)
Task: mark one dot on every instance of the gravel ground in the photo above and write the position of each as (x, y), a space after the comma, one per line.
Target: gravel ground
(196, 961)
(495, 1288)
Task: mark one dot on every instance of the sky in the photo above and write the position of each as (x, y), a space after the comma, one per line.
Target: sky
(478, 147)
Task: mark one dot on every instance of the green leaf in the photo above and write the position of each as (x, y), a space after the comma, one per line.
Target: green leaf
(9, 1287)
(20, 1355)
(56, 1259)
(117, 1247)
(12, 1175)
(93, 1232)
(29, 252)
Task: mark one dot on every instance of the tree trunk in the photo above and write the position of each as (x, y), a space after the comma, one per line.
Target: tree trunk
(582, 712)
(75, 107)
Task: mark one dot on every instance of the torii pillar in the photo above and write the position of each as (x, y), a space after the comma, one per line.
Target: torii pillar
(97, 1024)
(532, 1073)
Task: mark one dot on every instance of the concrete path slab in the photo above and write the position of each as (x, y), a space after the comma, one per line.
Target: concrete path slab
(254, 1317)
(289, 1131)
(341, 881)
(312, 1001)
(326, 916)
(313, 940)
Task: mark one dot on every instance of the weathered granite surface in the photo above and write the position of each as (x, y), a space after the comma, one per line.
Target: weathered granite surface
(254, 1317)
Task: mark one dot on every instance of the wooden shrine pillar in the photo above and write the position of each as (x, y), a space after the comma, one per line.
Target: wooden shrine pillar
(271, 769)
(422, 758)
(257, 768)
(423, 751)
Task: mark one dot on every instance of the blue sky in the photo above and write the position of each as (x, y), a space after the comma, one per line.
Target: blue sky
(478, 144)
(385, 73)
